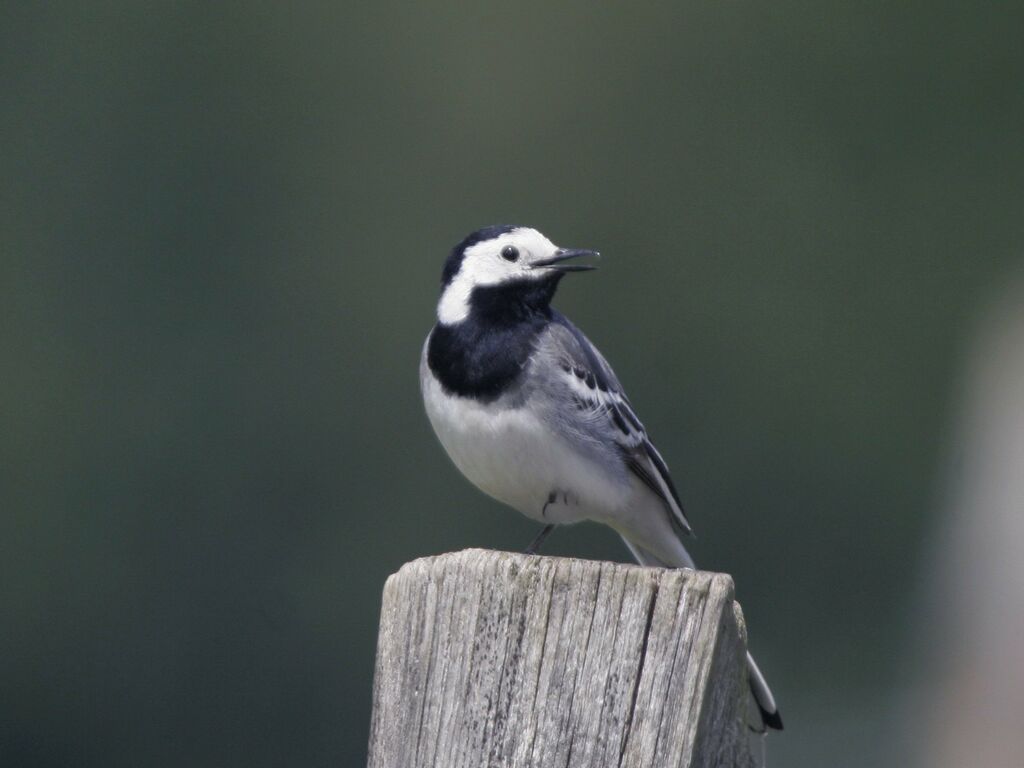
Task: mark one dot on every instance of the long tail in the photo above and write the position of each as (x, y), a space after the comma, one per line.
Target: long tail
(759, 690)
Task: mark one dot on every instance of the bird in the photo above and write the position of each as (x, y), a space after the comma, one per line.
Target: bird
(533, 415)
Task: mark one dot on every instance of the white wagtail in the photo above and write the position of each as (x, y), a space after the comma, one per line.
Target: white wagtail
(530, 411)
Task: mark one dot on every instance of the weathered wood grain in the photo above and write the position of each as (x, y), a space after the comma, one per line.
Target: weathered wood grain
(497, 659)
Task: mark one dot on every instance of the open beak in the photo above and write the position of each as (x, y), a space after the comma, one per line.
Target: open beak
(563, 255)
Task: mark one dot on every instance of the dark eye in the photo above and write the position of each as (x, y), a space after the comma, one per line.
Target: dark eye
(510, 252)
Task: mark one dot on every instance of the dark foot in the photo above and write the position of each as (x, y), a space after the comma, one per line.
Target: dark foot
(535, 544)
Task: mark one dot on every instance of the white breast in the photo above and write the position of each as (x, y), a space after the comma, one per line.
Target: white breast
(512, 455)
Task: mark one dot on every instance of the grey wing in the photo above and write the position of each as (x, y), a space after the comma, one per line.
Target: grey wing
(599, 411)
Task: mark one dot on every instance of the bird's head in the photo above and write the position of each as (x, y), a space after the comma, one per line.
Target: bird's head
(503, 269)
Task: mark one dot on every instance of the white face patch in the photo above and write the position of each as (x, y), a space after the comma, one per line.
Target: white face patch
(483, 264)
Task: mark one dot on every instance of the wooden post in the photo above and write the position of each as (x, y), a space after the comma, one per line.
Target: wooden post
(498, 659)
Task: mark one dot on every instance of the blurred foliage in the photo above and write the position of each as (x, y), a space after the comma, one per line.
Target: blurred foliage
(221, 230)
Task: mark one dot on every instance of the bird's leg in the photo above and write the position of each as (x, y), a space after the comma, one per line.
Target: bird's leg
(539, 539)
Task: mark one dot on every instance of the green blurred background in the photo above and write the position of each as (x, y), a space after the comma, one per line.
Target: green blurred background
(221, 230)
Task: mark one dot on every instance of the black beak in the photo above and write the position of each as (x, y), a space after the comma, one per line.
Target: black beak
(564, 254)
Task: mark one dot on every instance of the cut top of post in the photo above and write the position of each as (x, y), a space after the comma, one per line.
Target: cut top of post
(497, 659)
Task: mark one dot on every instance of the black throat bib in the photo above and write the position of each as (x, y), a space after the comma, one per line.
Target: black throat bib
(481, 356)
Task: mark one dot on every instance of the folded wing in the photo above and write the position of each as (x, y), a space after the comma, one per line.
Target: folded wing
(592, 391)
